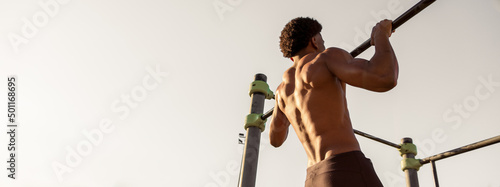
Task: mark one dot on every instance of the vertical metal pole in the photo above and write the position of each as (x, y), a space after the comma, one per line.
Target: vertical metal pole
(248, 171)
(434, 172)
(410, 174)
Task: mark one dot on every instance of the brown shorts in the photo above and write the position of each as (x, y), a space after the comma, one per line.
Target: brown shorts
(351, 169)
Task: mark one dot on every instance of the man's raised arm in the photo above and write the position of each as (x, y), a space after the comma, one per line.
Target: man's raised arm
(380, 74)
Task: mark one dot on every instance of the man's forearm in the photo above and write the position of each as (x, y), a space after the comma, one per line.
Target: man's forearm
(384, 63)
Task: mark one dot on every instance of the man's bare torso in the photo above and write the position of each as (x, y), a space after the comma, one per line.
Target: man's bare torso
(313, 100)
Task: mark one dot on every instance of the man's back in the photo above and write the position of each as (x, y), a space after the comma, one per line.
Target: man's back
(313, 100)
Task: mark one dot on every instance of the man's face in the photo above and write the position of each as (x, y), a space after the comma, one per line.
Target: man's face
(320, 43)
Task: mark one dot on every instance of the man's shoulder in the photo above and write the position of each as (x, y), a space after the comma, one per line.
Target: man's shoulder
(287, 84)
(334, 55)
(333, 52)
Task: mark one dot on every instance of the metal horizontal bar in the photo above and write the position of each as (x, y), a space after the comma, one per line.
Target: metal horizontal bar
(377, 139)
(395, 24)
(461, 150)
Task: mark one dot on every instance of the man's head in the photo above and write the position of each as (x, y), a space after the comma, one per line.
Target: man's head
(298, 34)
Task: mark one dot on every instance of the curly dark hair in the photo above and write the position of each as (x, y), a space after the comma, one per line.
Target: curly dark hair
(296, 35)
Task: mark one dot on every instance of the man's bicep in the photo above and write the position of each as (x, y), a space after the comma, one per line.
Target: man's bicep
(355, 71)
(350, 70)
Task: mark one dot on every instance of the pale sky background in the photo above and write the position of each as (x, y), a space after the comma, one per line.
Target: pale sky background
(81, 58)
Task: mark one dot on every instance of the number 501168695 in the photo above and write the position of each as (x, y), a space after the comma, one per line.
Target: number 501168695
(11, 111)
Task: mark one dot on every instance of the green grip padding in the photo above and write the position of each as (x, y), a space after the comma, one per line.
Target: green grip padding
(255, 120)
(408, 148)
(410, 163)
(261, 87)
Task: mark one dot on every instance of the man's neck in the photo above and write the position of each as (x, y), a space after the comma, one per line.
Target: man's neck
(300, 55)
